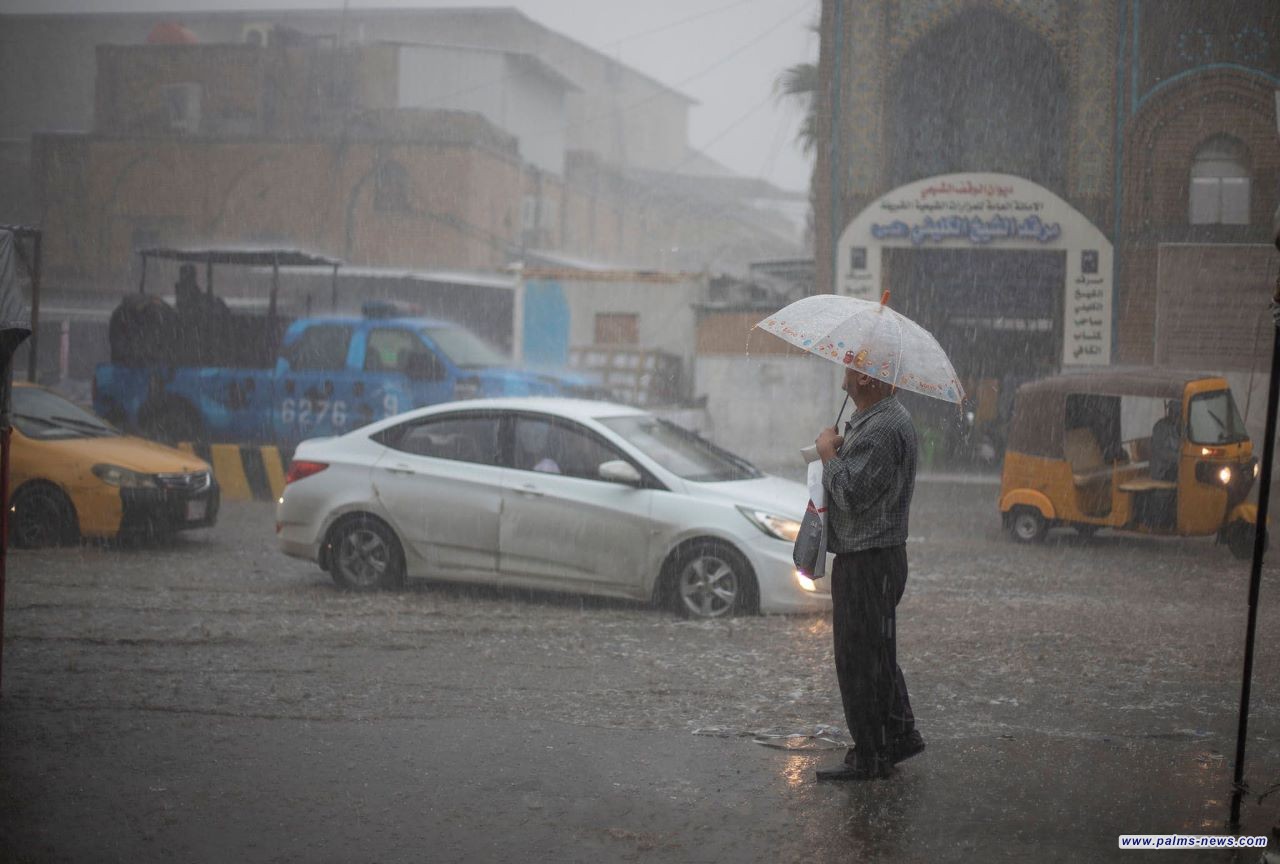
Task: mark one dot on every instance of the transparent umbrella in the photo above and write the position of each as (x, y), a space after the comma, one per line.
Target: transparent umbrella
(871, 338)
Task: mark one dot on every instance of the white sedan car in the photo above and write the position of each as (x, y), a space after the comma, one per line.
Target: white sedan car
(555, 494)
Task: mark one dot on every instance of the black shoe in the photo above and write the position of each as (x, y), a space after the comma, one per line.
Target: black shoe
(903, 748)
(878, 769)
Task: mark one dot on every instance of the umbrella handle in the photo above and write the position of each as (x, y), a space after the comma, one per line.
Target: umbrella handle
(841, 414)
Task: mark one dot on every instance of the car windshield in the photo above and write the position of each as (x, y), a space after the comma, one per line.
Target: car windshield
(43, 415)
(685, 454)
(1214, 419)
(464, 349)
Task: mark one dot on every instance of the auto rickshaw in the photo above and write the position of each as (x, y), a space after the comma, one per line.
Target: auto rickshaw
(1144, 450)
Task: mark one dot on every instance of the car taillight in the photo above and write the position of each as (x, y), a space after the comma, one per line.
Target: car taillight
(300, 468)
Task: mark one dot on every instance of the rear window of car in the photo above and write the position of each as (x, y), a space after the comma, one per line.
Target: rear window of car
(465, 438)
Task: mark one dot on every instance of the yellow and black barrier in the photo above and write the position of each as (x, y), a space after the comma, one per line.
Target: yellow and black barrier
(244, 472)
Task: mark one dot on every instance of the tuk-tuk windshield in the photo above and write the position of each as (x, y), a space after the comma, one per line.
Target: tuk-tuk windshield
(1213, 419)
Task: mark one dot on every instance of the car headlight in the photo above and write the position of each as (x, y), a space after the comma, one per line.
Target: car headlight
(114, 475)
(1224, 475)
(779, 527)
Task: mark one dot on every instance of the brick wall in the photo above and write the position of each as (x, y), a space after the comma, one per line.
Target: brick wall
(1160, 145)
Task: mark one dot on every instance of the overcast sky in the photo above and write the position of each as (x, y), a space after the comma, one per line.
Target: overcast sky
(724, 53)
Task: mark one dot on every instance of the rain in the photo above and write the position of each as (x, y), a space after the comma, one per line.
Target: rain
(432, 430)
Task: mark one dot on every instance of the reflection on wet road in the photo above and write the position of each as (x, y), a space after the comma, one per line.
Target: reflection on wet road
(1080, 684)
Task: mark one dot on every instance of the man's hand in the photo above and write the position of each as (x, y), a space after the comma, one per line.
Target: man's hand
(829, 441)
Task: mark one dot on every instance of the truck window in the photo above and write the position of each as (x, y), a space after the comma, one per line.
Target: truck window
(463, 348)
(389, 350)
(321, 346)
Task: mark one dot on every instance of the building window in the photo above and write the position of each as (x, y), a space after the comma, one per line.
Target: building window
(1220, 183)
(617, 329)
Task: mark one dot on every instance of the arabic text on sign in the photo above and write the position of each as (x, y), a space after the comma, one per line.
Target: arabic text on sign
(968, 187)
(976, 230)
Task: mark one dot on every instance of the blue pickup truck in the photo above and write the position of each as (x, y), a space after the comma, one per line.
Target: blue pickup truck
(331, 375)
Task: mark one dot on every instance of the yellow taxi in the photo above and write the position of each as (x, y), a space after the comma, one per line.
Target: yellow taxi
(73, 475)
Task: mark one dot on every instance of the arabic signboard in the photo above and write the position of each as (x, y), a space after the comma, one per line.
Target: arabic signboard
(990, 211)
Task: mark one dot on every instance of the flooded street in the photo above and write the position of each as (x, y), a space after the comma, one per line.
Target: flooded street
(212, 699)
(433, 288)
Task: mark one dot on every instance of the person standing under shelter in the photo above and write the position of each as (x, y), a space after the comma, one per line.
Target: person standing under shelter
(868, 476)
(202, 322)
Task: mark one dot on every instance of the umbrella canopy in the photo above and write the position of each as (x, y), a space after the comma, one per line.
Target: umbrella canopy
(871, 338)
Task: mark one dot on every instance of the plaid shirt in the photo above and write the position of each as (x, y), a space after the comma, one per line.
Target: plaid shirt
(869, 482)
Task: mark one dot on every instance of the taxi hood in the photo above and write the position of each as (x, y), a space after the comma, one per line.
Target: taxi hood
(138, 454)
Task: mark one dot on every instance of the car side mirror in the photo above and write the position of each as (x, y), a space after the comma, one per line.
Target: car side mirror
(620, 471)
(423, 366)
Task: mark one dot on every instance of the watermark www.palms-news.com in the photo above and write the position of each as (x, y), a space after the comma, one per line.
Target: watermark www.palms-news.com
(1190, 841)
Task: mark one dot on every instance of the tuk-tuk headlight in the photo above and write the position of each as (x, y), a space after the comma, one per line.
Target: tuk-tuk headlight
(1256, 469)
(1224, 476)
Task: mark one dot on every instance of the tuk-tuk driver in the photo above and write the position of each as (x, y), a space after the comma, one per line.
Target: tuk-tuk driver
(869, 475)
(1166, 443)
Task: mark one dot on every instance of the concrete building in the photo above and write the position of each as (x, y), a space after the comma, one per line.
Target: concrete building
(49, 67)
(594, 177)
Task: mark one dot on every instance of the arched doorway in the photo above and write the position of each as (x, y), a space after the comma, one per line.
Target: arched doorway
(1013, 281)
(980, 92)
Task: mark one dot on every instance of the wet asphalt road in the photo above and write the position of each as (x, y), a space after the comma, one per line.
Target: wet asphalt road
(211, 700)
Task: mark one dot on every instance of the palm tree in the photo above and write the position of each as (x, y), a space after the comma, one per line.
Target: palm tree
(800, 82)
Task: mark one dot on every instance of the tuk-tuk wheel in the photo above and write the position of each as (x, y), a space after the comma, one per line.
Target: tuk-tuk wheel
(1026, 525)
(1239, 539)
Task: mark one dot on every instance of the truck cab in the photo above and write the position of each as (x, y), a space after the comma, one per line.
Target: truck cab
(338, 373)
(196, 372)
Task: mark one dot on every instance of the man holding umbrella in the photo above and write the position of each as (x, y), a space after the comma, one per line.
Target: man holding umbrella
(868, 475)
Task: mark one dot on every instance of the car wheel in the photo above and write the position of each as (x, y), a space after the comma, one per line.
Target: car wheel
(42, 515)
(1239, 537)
(712, 580)
(365, 555)
(1026, 525)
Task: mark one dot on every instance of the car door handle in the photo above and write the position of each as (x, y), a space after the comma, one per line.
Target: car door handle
(529, 489)
(400, 468)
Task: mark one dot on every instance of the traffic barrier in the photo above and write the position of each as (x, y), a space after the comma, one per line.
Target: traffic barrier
(244, 472)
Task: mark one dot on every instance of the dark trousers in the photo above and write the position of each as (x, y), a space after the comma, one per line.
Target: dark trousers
(865, 589)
